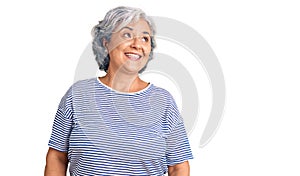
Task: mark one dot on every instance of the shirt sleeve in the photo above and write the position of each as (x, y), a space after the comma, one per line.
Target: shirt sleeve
(178, 147)
(62, 124)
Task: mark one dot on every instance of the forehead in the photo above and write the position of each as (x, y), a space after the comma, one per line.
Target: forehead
(140, 25)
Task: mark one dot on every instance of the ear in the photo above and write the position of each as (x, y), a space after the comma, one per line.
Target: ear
(105, 43)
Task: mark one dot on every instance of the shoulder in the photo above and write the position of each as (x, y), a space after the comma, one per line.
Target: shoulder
(161, 91)
(84, 83)
(79, 86)
(172, 116)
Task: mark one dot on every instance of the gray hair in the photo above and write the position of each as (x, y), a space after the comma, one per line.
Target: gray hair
(114, 20)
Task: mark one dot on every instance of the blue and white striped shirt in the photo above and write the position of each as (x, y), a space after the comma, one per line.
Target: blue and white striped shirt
(107, 132)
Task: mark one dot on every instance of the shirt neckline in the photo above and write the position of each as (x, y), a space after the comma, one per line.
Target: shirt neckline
(124, 93)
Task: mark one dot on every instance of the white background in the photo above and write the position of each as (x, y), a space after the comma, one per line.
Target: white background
(257, 43)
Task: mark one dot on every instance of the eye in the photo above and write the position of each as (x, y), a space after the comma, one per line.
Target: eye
(145, 39)
(127, 35)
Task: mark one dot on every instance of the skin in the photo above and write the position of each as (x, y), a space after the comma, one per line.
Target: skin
(181, 169)
(56, 163)
(122, 75)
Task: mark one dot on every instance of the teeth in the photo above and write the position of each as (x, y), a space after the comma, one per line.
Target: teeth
(133, 56)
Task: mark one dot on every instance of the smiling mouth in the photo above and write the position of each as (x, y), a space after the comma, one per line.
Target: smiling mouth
(133, 56)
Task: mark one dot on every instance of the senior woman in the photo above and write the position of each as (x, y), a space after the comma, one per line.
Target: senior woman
(119, 124)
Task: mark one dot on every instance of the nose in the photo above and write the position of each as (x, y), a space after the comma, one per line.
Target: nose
(136, 43)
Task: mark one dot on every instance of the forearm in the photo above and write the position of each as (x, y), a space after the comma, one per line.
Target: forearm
(182, 169)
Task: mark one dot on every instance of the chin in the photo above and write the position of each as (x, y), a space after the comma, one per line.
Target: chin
(133, 67)
(132, 70)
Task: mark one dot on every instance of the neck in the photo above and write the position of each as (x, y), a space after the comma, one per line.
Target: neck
(123, 82)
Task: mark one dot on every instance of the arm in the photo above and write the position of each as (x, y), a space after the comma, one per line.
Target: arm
(181, 169)
(56, 163)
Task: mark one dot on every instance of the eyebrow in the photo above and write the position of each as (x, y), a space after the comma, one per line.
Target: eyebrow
(126, 27)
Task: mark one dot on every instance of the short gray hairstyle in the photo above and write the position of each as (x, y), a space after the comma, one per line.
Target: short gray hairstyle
(114, 20)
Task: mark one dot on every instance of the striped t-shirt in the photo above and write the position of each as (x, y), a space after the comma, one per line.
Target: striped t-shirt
(106, 132)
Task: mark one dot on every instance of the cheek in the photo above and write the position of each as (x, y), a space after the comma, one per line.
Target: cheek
(116, 43)
(116, 51)
(148, 50)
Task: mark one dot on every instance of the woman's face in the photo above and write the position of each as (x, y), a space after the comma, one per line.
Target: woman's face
(129, 48)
